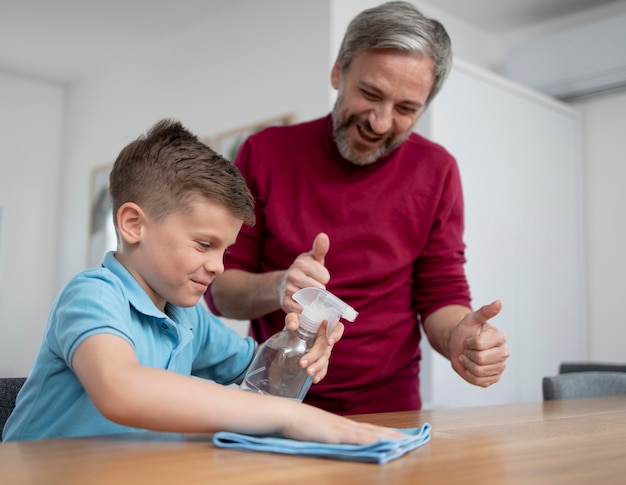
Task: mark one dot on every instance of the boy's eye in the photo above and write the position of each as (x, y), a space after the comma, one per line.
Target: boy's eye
(204, 245)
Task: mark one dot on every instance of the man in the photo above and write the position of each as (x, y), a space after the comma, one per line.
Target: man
(359, 204)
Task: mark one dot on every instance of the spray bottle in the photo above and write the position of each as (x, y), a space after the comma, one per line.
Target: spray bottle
(275, 368)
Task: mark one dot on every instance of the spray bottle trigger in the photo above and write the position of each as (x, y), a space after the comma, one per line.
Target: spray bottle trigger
(331, 307)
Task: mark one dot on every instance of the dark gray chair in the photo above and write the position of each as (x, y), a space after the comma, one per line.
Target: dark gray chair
(574, 385)
(9, 387)
(580, 366)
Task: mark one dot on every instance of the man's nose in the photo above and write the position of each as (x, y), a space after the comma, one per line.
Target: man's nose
(381, 119)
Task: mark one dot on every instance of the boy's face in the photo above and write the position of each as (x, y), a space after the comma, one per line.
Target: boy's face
(176, 259)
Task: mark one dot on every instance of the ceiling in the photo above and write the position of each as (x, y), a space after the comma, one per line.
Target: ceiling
(59, 40)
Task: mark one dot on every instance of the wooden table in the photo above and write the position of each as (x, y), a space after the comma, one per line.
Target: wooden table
(573, 441)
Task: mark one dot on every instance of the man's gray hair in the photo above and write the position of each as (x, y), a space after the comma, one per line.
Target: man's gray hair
(398, 25)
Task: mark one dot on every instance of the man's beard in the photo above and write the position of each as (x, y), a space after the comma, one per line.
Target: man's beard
(340, 133)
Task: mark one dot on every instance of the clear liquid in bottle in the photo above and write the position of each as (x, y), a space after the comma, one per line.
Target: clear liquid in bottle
(275, 369)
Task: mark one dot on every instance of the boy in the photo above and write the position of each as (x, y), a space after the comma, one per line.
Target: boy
(123, 340)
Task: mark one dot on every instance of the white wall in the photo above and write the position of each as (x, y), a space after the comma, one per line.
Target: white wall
(239, 67)
(604, 126)
(31, 120)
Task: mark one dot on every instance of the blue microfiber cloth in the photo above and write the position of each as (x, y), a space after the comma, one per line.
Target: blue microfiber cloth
(380, 452)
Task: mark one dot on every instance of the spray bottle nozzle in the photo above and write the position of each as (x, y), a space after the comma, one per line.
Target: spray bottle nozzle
(320, 305)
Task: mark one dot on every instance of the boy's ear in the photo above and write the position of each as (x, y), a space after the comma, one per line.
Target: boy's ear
(130, 222)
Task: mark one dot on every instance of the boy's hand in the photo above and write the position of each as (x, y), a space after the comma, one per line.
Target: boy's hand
(316, 361)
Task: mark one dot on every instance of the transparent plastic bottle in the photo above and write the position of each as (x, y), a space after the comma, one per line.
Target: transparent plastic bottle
(275, 369)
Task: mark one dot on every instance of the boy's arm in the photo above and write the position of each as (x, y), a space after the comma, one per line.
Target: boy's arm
(145, 397)
(131, 394)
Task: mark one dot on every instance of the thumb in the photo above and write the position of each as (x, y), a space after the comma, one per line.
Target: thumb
(483, 314)
(321, 245)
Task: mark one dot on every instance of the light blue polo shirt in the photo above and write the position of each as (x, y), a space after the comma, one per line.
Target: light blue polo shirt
(188, 341)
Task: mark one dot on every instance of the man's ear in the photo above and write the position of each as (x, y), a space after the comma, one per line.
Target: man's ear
(335, 75)
(130, 222)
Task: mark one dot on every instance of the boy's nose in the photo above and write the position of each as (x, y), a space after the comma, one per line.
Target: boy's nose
(215, 264)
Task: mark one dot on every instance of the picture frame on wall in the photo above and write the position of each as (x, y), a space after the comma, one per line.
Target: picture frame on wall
(101, 230)
(228, 142)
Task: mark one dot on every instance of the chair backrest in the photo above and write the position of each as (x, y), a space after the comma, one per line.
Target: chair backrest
(566, 367)
(9, 387)
(574, 385)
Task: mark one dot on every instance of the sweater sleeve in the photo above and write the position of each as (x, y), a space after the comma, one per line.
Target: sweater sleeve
(439, 273)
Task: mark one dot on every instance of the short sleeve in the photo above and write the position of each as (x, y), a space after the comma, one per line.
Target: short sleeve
(93, 302)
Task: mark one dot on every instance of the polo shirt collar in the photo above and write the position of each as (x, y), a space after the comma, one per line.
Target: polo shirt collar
(137, 296)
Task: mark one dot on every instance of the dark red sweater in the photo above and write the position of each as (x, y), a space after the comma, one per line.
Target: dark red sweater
(396, 251)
